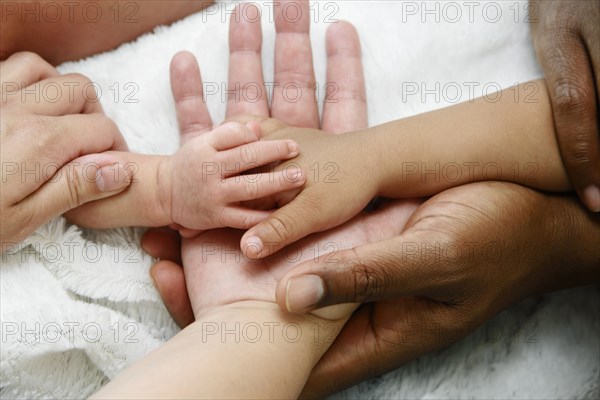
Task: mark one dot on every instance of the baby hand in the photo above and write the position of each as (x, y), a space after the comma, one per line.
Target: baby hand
(202, 186)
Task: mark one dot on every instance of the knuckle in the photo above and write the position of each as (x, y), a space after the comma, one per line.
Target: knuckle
(281, 226)
(76, 186)
(251, 190)
(570, 97)
(367, 282)
(578, 151)
(249, 154)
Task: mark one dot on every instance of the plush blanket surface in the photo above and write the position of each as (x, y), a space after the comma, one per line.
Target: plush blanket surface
(78, 306)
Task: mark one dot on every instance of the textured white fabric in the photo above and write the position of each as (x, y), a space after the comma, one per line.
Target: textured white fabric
(78, 306)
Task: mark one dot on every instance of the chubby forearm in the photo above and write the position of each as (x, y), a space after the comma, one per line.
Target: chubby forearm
(144, 203)
(508, 136)
(245, 350)
(68, 30)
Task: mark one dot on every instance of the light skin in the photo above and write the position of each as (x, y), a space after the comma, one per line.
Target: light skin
(465, 143)
(199, 187)
(405, 293)
(225, 371)
(50, 148)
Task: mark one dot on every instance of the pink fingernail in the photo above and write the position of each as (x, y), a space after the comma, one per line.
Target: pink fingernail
(303, 292)
(112, 178)
(254, 246)
(293, 149)
(296, 176)
(591, 197)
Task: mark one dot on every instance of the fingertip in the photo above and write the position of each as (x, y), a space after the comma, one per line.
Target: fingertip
(182, 61)
(252, 246)
(591, 198)
(342, 37)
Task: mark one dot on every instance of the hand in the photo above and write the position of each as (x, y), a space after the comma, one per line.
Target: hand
(340, 182)
(293, 65)
(48, 146)
(567, 39)
(201, 182)
(460, 259)
(218, 274)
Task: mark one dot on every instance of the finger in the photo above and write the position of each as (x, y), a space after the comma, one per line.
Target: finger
(246, 92)
(252, 155)
(256, 186)
(370, 272)
(294, 100)
(54, 141)
(25, 68)
(572, 93)
(288, 224)
(62, 95)
(345, 107)
(88, 178)
(170, 283)
(162, 243)
(242, 218)
(186, 85)
(231, 135)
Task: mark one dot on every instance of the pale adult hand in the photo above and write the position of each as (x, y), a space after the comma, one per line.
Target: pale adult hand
(566, 35)
(52, 128)
(344, 109)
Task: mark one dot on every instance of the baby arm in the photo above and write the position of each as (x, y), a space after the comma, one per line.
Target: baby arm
(242, 345)
(199, 187)
(508, 136)
(271, 356)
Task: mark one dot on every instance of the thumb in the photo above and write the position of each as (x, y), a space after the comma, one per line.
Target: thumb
(85, 179)
(401, 266)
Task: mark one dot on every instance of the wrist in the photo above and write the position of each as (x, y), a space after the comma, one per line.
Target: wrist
(163, 196)
(367, 148)
(263, 321)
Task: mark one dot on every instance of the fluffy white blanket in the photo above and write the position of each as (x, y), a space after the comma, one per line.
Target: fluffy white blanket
(78, 306)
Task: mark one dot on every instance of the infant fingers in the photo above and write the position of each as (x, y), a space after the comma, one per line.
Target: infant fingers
(230, 135)
(250, 156)
(251, 187)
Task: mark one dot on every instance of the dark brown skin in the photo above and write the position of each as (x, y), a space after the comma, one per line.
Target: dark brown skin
(60, 32)
(566, 35)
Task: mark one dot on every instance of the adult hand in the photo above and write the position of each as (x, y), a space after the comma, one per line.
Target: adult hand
(50, 130)
(293, 66)
(566, 35)
(464, 255)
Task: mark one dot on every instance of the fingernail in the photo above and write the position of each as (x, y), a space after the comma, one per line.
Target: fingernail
(303, 292)
(254, 246)
(296, 176)
(591, 197)
(293, 149)
(112, 178)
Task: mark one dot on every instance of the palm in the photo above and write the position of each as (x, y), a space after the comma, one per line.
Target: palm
(217, 273)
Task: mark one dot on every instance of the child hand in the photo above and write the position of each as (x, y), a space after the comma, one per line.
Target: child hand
(342, 176)
(202, 184)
